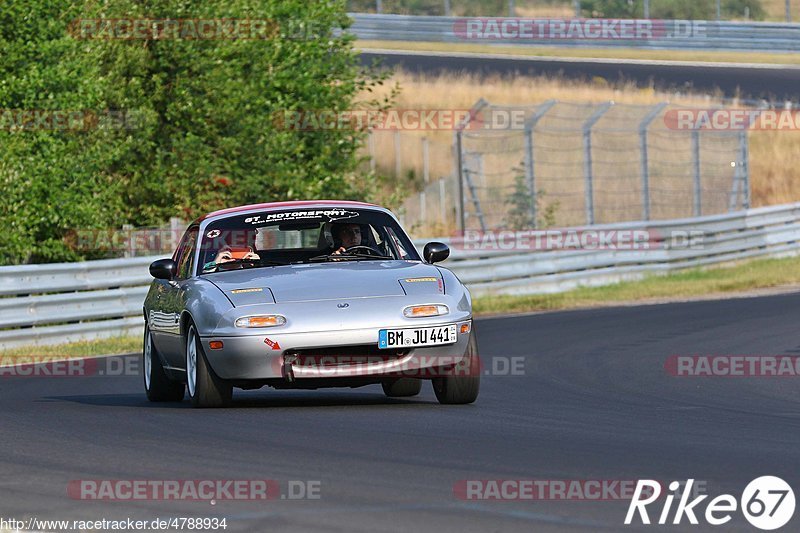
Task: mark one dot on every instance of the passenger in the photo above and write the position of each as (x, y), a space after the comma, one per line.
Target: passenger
(228, 254)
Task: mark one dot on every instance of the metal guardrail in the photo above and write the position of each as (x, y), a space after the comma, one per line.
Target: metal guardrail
(56, 303)
(666, 34)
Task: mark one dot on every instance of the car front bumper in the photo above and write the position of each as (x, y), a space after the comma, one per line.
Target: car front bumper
(273, 356)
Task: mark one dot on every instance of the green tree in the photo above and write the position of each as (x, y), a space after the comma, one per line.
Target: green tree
(201, 131)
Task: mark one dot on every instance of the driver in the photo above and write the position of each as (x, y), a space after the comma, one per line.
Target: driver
(345, 236)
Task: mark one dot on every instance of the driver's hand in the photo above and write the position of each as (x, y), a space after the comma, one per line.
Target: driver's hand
(223, 257)
(252, 255)
(339, 251)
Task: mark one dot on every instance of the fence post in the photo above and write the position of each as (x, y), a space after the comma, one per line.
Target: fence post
(744, 147)
(442, 201)
(577, 8)
(423, 207)
(643, 125)
(587, 160)
(511, 9)
(175, 231)
(647, 9)
(446, 8)
(698, 191)
(459, 155)
(130, 249)
(459, 148)
(741, 177)
(426, 160)
(371, 146)
(397, 168)
(530, 175)
(719, 11)
(788, 11)
(378, 6)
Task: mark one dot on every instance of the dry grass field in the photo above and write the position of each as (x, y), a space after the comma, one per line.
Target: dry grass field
(775, 178)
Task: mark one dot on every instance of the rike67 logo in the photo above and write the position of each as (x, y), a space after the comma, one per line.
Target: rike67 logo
(767, 503)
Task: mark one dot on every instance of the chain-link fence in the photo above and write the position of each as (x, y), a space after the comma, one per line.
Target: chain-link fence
(567, 164)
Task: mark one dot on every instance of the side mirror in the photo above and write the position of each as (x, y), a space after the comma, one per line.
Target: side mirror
(435, 252)
(163, 269)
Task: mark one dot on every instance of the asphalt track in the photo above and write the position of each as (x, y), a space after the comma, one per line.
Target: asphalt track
(594, 402)
(778, 83)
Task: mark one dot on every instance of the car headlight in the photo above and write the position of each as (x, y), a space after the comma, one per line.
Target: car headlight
(419, 311)
(260, 321)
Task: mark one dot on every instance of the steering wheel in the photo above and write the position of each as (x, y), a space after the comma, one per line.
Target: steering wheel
(363, 247)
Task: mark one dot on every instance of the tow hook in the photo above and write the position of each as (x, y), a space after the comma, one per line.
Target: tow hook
(288, 361)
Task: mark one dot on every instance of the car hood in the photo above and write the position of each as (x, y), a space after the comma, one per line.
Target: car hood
(327, 281)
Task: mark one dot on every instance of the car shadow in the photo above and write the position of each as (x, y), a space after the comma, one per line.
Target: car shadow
(265, 399)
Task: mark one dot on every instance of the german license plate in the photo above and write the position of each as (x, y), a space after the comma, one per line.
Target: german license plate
(411, 337)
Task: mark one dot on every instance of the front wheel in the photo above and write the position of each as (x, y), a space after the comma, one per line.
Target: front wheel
(157, 386)
(463, 382)
(205, 388)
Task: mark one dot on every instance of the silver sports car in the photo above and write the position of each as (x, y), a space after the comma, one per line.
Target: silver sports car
(306, 295)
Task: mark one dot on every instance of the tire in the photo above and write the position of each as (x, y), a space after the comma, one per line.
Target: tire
(403, 387)
(205, 388)
(157, 386)
(464, 382)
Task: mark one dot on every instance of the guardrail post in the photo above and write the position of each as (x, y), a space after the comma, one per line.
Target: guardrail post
(643, 125)
(647, 9)
(512, 12)
(719, 11)
(378, 6)
(459, 148)
(577, 8)
(587, 159)
(788, 11)
(530, 175)
(697, 209)
(423, 204)
(446, 8)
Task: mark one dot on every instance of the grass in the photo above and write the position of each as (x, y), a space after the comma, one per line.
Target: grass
(109, 346)
(776, 10)
(721, 280)
(601, 53)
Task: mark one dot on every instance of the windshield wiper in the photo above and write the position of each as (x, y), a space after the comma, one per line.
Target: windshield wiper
(345, 257)
(222, 267)
(370, 256)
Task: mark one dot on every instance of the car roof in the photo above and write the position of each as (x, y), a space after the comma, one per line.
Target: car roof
(282, 205)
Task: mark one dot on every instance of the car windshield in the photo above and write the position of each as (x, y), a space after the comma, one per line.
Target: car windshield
(274, 238)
